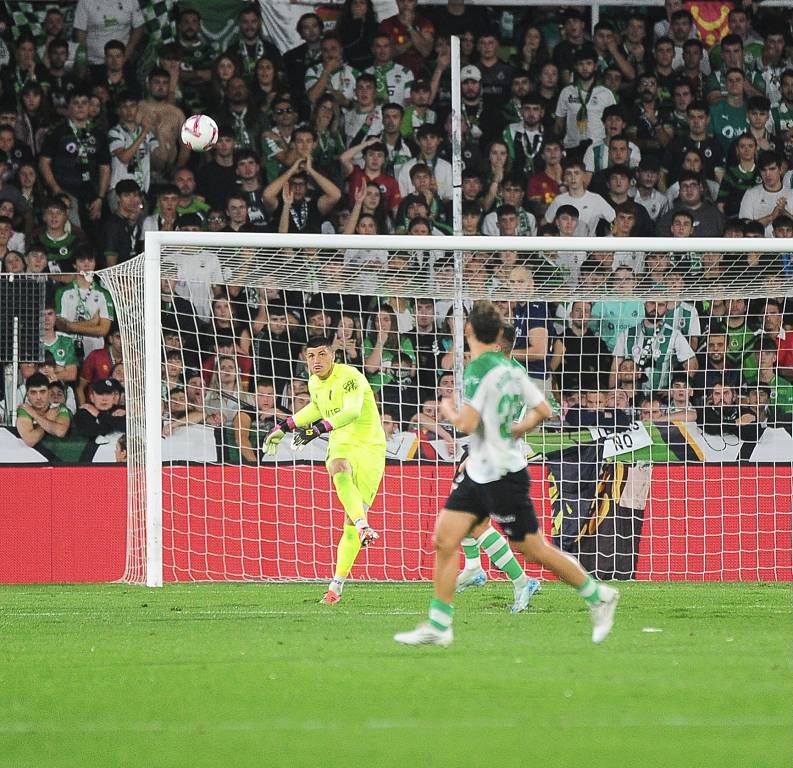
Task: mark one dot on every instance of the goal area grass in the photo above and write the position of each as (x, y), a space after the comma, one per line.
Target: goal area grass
(263, 675)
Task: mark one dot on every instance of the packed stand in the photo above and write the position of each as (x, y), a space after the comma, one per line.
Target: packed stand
(640, 129)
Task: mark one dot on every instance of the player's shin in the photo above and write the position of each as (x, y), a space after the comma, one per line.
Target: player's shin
(471, 551)
(495, 546)
(346, 552)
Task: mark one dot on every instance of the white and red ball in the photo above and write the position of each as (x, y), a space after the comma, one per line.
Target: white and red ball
(200, 132)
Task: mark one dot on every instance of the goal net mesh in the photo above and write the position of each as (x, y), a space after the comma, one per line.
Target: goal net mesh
(668, 456)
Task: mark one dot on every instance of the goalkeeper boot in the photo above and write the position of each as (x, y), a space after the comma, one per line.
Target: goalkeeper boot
(523, 594)
(603, 613)
(426, 634)
(470, 577)
(330, 598)
(367, 536)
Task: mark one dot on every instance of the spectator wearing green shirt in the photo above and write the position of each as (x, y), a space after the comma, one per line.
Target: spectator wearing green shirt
(729, 117)
(610, 318)
(381, 346)
(37, 421)
(767, 375)
(60, 346)
(739, 177)
(740, 337)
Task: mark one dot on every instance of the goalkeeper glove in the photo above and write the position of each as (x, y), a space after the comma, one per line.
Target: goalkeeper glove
(304, 435)
(276, 435)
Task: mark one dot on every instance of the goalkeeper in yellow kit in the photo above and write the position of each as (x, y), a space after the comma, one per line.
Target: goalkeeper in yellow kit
(343, 405)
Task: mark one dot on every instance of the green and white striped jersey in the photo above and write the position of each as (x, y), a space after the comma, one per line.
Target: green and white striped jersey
(499, 391)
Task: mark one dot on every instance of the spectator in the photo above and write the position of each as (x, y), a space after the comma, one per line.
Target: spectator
(332, 76)
(646, 192)
(483, 125)
(226, 392)
(131, 143)
(392, 80)
(276, 141)
(100, 363)
(579, 110)
(590, 206)
(411, 33)
(83, 307)
(249, 45)
(511, 196)
(37, 421)
(60, 346)
(708, 219)
(239, 114)
(374, 157)
(101, 414)
(251, 425)
(584, 358)
(356, 28)
(363, 118)
(167, 119)
(525, 139)
(653, 345)
(298, 60)
(729, 115)
(123, 235)
(93, 28)
(611, 318)
(58, 239)
(697, 138)
(769, 199)
(381, 345)
(741, 175)
(75, 159)
(543, 187)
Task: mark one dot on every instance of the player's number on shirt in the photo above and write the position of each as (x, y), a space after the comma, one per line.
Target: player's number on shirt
(509, 407)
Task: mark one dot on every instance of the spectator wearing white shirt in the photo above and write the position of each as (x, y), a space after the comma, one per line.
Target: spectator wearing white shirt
(428, 138)
(770, 198)
(331, 75)
(645, 193)
(97, 22)
(591, 207)
(579, 110)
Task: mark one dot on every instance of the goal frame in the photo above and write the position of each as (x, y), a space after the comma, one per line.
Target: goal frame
(155, 241)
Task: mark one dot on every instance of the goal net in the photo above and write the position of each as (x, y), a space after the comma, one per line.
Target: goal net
(667, 363)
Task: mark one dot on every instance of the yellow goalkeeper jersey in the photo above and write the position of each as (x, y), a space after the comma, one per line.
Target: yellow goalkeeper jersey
(346, 400)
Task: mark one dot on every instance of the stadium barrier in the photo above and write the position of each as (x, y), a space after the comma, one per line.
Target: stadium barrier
(692, 528)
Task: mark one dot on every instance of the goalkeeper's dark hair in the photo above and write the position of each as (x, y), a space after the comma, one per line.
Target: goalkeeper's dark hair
(314, 342)
(486, 322)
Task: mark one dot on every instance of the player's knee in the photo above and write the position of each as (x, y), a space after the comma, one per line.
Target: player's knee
(444, 543)
(533, 546)
(338, 466)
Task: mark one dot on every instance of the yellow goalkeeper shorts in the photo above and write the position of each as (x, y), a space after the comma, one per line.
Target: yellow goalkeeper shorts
(368, 466)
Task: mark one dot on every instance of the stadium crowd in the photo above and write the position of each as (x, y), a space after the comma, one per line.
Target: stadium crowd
(637, 129)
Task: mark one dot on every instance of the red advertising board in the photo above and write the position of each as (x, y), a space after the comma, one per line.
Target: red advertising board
(709, 522)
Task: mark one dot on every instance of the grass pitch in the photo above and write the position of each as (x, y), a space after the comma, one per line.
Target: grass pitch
(236, 675)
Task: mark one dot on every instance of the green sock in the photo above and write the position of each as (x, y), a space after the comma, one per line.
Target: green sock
(440, 614)
(349, 496)
(589, 591)
(471, 552)
(495, 546)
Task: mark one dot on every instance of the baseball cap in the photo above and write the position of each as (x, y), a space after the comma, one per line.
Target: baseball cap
(420, 85)
(105, 386)
(127, 187)
(470, 72)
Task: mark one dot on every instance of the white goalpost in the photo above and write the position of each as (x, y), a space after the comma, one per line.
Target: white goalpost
(661, 462)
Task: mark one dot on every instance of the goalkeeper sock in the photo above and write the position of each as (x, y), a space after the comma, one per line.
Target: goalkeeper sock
(440, 614)
(350, 498)
(347, 551)
(471, 552)
(495, 546)
(589, 591)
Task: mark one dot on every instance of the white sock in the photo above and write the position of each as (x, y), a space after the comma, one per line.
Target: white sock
(468, 544)
(336, 584)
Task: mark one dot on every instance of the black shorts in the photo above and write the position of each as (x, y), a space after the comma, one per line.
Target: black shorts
(505, 500)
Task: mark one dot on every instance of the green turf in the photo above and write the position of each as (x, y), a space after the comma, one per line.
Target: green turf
(234, 675)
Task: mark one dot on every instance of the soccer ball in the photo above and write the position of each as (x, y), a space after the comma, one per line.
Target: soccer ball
(199, 132)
